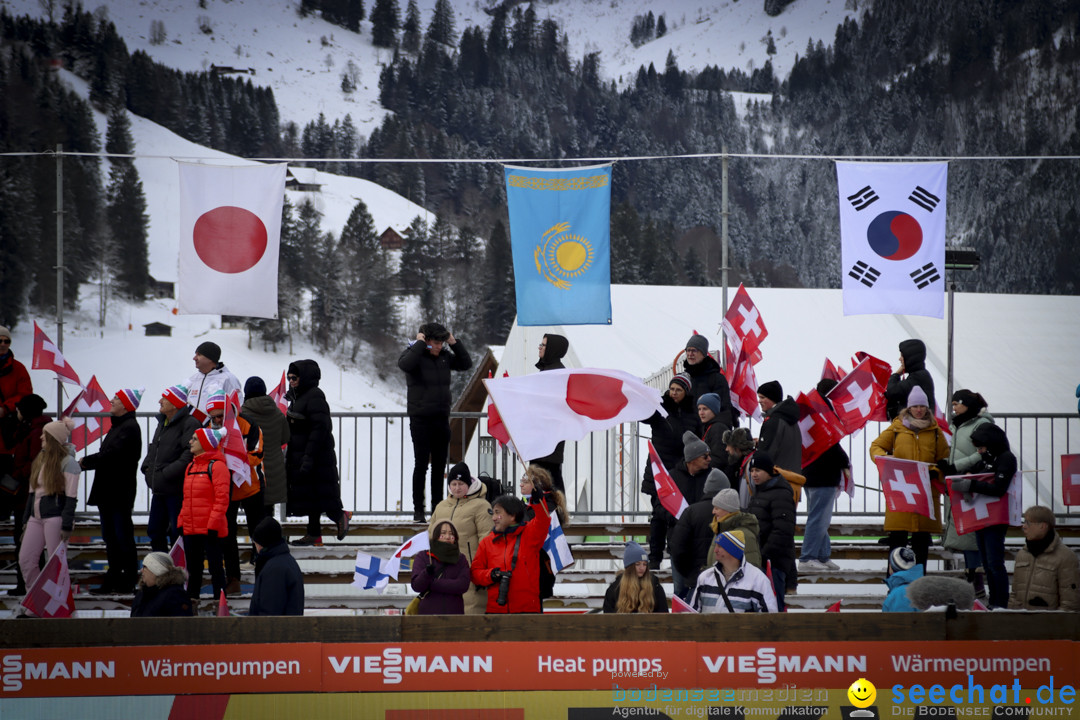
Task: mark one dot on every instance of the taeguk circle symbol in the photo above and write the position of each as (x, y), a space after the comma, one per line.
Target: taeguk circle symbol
(894, 235)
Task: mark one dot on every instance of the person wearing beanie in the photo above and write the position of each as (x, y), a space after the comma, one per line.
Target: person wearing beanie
(914, 435)
(311, 472)
(969, 411)
(739, 446)
(780, 435)
(913, 366)
(728, 515)
(161, 591)
(14, 385)
(163, 467)
(904, 569)
(115, 466)
(693, 534)
(441, 575)
(22, 436)
(667, 434)
(689, 475)
(706, 377)
(470, 511)
(210, 375)
(1046, 574)
(261, 410)
(636, 589)
(823, 476)
(553, 349)
(49, 514)
(773, 504)
(713, 428)
(427, 364)
(202, 518)
(732, 584)
(279, 584)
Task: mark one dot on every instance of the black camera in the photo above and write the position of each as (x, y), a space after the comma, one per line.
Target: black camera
(503, 579)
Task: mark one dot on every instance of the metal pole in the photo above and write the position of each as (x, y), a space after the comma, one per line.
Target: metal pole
(59, 269)
(949, 370)
(724, 237)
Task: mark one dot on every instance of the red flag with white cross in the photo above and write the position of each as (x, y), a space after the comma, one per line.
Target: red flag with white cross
(50, 595)
(906, 484)
(744, 327)
(48, 357)
(1070, 479)
(975, 511)
(857, 397)
(88, 429)
(818, 425)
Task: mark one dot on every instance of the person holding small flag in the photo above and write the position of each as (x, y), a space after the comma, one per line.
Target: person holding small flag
(732, 585)
(537, 479)
(636, 590)
(161, 591)
(689, 476)
(823, 476)
(202, 517)
(166, 460)
(49, 516)
(115, 466)
(467, 507)
(441, 573)
(507, 562)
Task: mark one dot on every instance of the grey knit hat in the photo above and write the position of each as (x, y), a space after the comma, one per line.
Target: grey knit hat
(714, 483)
(698, 342)
(727, 500)
(693, 446)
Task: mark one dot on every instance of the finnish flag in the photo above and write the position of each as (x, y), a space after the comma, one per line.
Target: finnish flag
(556, 546)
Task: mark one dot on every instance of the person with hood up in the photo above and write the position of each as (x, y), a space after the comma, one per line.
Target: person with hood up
(692, 538)
(636, 589)
(166, 460)
(903, 570)
(23, 439)
(997, 458)
(202, 516)
(49, 516)
(210, 375)
(265, 413)
(115, 466)
(161, 591)
(441, 575)
(780, 436)
(733, 585)
(279, 584)
(553, 349)
(726, 517)
(706, 377)
(311, 470)
(511, 554)
(773, 504)
(470, 512)
(667, 434)
(1046, 575)
(913, 365)
(913, 435)
(427, 364)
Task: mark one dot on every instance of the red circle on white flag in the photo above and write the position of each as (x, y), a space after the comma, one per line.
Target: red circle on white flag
(230, 239)
(595, 396)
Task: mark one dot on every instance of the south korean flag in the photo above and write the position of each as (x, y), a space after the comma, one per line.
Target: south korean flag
(892, 230)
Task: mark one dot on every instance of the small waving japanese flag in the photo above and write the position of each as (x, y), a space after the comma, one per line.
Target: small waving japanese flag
(230, 229)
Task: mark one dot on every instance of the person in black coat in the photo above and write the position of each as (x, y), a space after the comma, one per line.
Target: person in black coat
(427, 364)
(773, 504)
(706, 377)
(993, 445)
(667, 434)
(553, 349)
(689, 476)
(823, 476)
(115, 465)
(279, 584)
(311, 470)
(636, 589)
(166, 461)
(161, 591)
(913, 364)
(692, 537)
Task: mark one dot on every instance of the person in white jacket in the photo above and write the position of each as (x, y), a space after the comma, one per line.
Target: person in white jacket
(210, 375)
(732, 585)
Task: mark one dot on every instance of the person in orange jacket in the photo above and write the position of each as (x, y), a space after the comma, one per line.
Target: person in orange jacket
(507, 562)
(202, 516)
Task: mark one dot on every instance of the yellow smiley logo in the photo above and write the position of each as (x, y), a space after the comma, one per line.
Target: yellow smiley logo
(862, 693)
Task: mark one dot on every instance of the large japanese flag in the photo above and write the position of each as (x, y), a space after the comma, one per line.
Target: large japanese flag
(906, 484)
(51, 596)
(975, 511)
(230, 228)
(892, 234)
(541, 409)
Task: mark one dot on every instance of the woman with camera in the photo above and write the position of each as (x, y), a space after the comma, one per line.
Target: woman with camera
(508, 560)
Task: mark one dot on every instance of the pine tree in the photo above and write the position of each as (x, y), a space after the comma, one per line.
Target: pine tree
(414, 257)
(127, 218)
(441, 29)
(410, 31)
(368, 285)
(385, 21)
(498, 300)
(661, 26)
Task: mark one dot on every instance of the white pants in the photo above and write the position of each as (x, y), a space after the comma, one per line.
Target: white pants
(40, 534)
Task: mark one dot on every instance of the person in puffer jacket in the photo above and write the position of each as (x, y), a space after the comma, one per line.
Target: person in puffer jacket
(203, 514)
(49, 516)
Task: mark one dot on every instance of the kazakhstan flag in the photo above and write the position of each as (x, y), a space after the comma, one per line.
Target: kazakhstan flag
(560, 224)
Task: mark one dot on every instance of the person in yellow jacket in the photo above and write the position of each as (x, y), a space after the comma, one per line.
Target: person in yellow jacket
(913, 435)
(470, 512)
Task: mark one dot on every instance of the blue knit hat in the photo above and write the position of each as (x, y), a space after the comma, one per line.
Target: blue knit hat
(711, 401)
(634, 553)
(734, 542)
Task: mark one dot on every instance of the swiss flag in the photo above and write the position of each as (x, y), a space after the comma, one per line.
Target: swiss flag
(744, 327)
(541, 409)
(666, 490)
(678, 605)
(975, 511)
(51, 596)
(48, 357)
(496, 428)
(278, 394)
(832, 372)
(233, 448)
(943, 423)
(906, 484)
(743, 383)
(857, 397)
(179, 557)
(819, 426)
(1070, 479)
(835, 607)
(230, 230)
(91, 400)
(881, 371)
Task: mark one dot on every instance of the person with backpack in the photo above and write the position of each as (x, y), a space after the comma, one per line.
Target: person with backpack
(202, 517)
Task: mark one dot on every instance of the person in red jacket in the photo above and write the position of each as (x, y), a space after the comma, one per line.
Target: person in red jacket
(202, 516)
(507, 562)
(14, 385)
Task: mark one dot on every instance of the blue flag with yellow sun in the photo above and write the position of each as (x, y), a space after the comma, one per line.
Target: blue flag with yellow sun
(560, 233)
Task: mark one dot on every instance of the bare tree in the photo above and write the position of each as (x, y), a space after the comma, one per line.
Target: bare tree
(157, 32)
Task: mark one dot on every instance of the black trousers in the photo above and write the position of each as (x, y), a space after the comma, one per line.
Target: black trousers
(431, 439)
(254, 512)
(198, 548)
(14, 506)
(118, 532)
